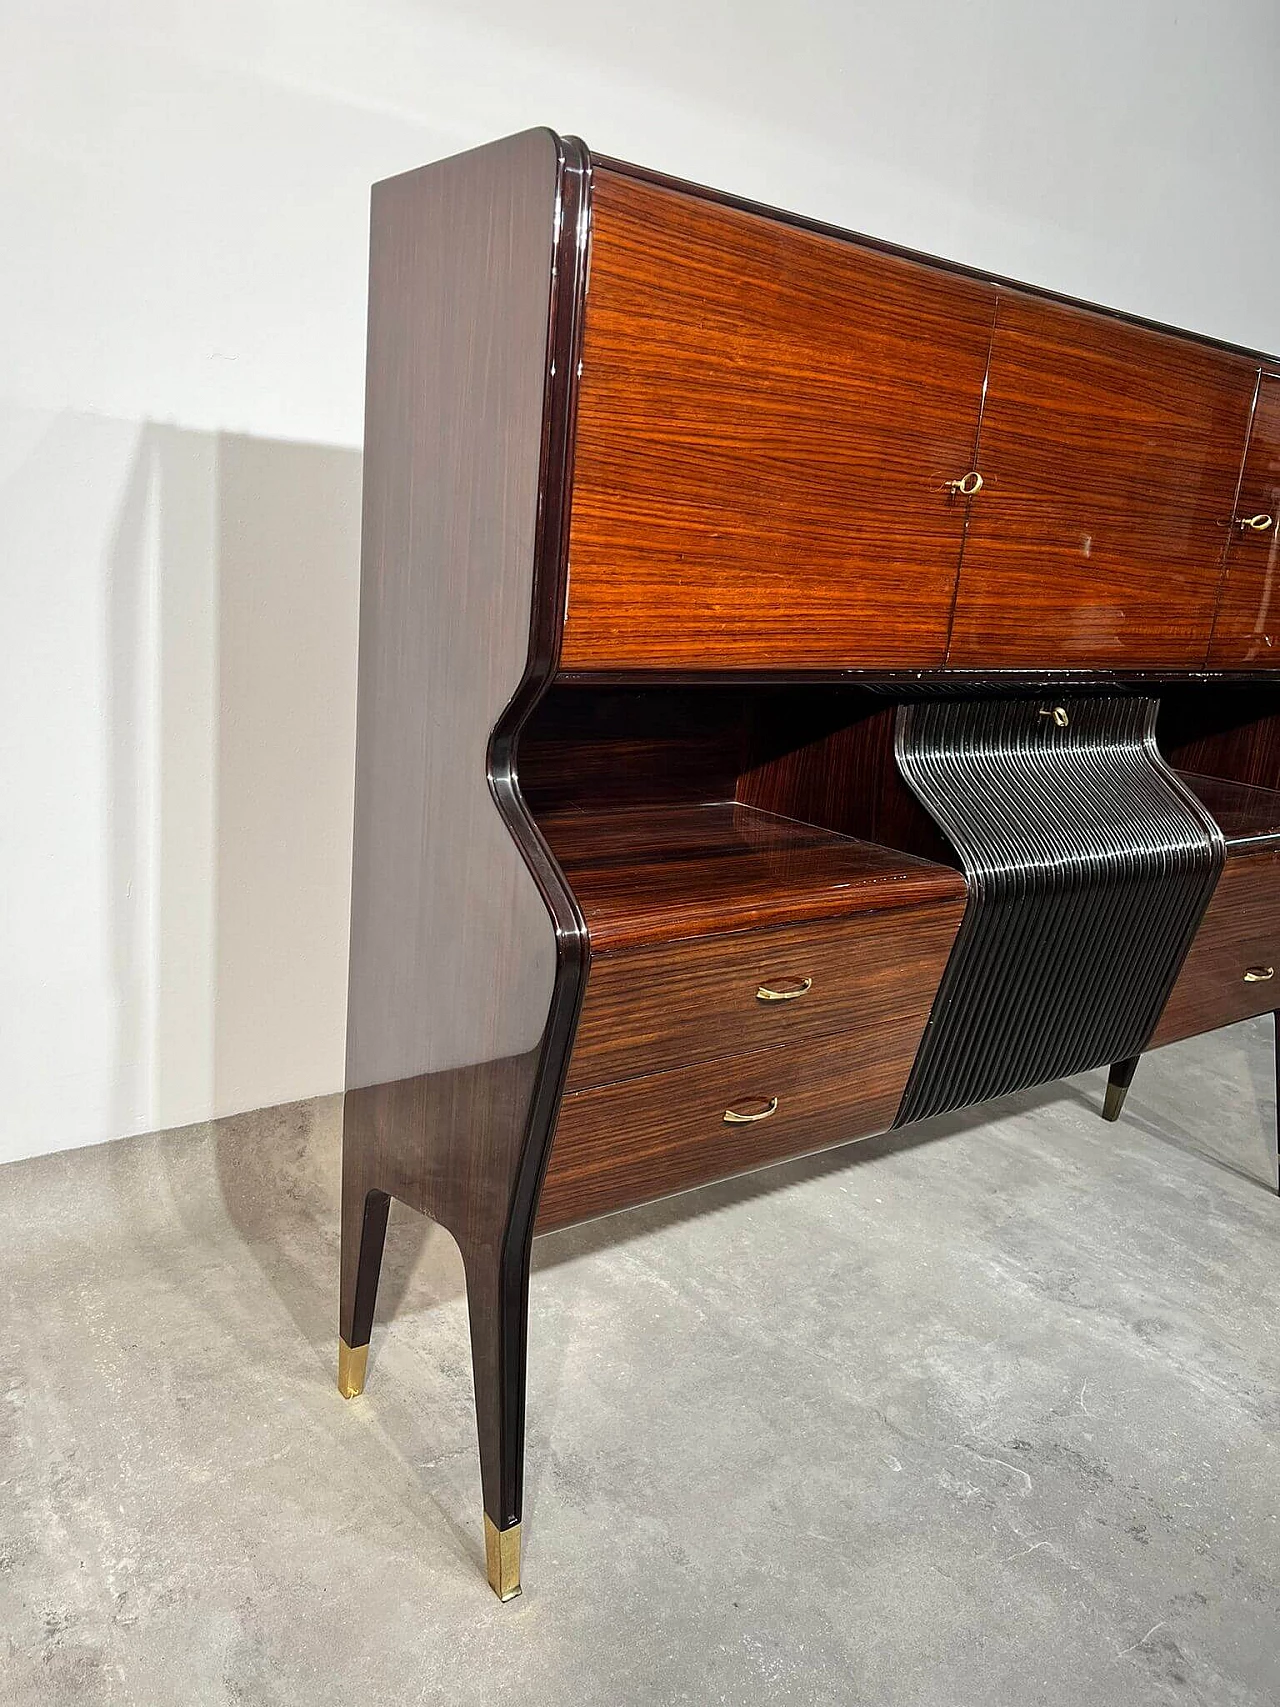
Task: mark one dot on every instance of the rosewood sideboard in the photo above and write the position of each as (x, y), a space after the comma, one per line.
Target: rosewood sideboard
(804, 687)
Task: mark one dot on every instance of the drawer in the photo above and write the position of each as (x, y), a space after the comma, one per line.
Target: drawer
(673, 1003)
(1239, 935)
(643, 1138)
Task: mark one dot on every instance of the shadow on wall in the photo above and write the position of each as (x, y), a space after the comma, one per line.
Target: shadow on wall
(178, 772)
(242, 997)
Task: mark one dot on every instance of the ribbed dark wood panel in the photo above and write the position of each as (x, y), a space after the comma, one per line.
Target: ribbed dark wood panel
(1089, 867)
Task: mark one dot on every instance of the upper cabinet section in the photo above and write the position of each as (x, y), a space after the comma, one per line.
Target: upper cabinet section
(1247, 632)
(1110, 456)
(796, 451)
(769, 425)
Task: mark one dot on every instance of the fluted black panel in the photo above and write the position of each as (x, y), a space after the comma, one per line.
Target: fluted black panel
(1089, 865)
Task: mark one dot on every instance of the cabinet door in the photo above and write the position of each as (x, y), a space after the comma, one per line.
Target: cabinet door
(767, 422)
(1247, 632)
(1109, 457)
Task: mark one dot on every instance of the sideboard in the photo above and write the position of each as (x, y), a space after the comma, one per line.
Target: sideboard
(804, 687)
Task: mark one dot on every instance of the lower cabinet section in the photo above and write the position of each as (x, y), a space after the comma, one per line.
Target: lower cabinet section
(1232, 971)
(643, 1138)
(711, 1055)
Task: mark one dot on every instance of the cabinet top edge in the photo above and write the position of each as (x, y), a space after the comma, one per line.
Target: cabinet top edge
(881, 245)
(569, 145)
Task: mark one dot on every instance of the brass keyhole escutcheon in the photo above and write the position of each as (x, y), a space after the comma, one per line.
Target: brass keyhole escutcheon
(967, 485)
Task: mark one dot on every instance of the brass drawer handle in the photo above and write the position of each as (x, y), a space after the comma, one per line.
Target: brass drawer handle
(1258, 974)
(1259, 524)
(966, 486)
(733, 1118)
(767, 993)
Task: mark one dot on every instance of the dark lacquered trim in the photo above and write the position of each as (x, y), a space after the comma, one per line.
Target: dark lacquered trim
(663, 181)
(908, 682)
(1089, 866)
(564, 338)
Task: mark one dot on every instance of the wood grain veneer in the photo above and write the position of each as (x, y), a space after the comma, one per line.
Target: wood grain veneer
(1229, 730)
(658, 1008)
(827, 758)
(1240, 929)
(1110, 455)
(1246, 631)
(766, 422)
(657, 873)
(632, 746)
(645, 1138)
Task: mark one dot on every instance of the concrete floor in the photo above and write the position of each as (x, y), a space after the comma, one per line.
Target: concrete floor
(987, 1415)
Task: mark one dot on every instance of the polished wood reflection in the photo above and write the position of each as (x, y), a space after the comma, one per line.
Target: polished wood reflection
(767, 423)
(1110, 455)
(658, 873)
(1247, 630)
(1247, 816)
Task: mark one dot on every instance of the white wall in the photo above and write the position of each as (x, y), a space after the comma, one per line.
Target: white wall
(183, 196)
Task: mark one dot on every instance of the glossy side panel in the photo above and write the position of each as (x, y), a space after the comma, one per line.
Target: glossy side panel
(459, 298)
(1110, 457)
(467, 951)
(1240, 933)
(1089, 866)
(767, 423)
(1246, 633)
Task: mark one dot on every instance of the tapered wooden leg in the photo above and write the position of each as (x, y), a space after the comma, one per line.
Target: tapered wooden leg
(498, 1306)
(1118, 1081)
(364, 1232)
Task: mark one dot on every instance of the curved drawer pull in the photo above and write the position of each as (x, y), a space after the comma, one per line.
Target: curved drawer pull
(767, 993)
(733, 1118)
(1258, 974)
(966, 486)
(1259, 524)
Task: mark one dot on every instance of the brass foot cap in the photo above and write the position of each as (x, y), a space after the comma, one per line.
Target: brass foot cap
(1113, 1102)
(502, 1558)
(352, 1363)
